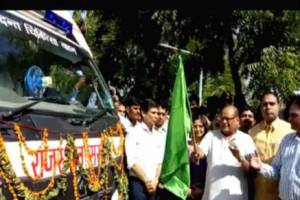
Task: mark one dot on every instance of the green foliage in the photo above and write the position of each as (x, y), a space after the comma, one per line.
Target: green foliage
(58, 74)
(278, 69)
(219, 84)
(258, 30)
(125, 45)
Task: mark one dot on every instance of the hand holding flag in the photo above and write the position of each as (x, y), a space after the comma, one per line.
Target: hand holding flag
(175, 172)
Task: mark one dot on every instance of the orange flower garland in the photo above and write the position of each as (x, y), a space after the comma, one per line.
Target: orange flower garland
(22, 186)
(10, 187)
(119, 152)
(106, 144)
(93, 179)
(96, 181)
(73, 171)
(22, 143)
(22, 140)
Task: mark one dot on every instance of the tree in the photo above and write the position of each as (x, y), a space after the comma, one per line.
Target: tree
(126, 48)
(123, 44)
(277, 70)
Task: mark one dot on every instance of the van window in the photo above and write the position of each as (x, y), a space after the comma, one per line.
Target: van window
(31, 69)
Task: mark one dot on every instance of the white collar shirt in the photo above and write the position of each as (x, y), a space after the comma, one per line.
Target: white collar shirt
(162, 132)
(143, 147)
(128, 125)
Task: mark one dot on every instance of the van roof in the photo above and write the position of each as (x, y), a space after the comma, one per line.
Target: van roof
(37, 17)
(67, 14)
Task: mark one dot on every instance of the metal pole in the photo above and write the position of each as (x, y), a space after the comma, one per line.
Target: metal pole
(177, 49)
(201, 69)
(200, 86)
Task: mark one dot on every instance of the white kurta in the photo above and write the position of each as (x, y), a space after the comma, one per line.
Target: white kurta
(225, 178)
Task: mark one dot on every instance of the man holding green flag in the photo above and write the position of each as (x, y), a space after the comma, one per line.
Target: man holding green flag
(175, 172)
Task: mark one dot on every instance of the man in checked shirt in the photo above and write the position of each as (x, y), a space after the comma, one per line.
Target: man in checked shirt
(285, 167)
(267, 136)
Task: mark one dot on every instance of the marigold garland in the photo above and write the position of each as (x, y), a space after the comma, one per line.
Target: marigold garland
(8, 174)
(105, 163)
(10, 188)
(43, 165)
(119, 152)
(106, 160)
(75, 186)
(108, 154)
(31, 152)
(22, 140)
(92, 178)
(120, 174)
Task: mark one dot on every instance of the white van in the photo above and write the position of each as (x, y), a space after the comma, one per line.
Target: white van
(60, 135)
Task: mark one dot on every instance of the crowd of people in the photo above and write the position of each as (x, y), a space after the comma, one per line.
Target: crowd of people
(232, 156)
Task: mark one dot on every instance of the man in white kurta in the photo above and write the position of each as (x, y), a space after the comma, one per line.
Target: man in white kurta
(226, 151)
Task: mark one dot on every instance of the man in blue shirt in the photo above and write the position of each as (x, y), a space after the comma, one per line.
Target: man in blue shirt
(286, 165)
(75, 90)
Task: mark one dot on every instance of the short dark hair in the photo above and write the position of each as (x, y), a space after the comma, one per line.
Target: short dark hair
(245, 108)
(147, 104)
(270, 92)
(164, 104)
(132, 101)
(194, 97)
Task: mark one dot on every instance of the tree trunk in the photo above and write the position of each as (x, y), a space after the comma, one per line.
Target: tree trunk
(239, 98)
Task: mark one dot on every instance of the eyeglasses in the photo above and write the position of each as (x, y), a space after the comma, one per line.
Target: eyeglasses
(228, 119)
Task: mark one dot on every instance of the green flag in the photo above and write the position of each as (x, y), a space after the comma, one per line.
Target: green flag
(175, 172)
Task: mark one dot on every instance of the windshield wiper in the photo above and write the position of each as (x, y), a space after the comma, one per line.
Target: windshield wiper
(18, 110)
(97, 116)
(58, 100)
(12, 113)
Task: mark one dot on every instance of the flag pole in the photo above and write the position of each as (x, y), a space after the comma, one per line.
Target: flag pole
(183, 51)
(178, 49)
(192, 130)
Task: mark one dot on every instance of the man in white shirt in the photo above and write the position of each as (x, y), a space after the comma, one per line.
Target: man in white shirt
(143, 149)
(226, 151)
(161, 124)
(132, 113)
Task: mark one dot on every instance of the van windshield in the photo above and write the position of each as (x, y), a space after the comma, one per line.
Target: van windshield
(61, 77)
